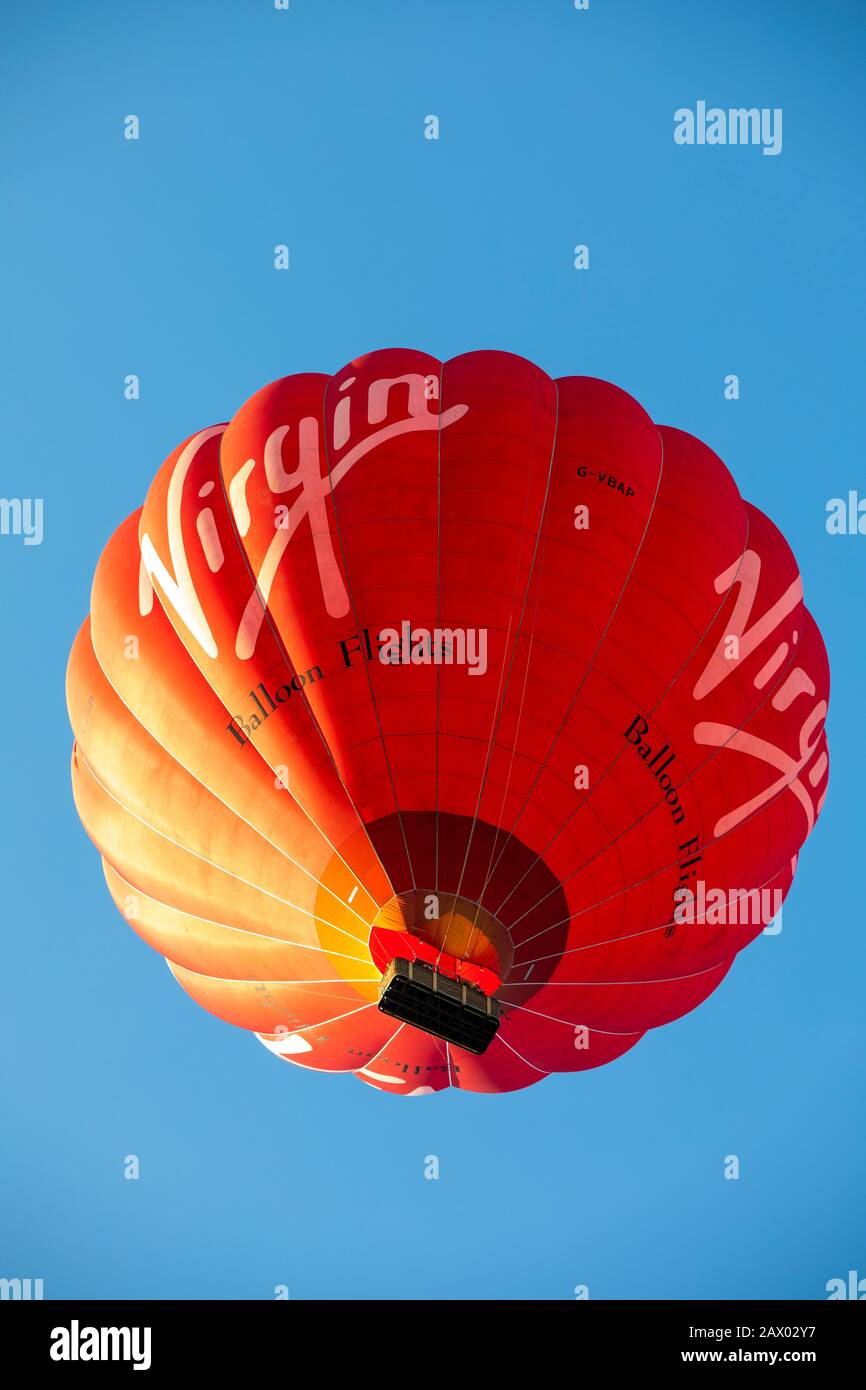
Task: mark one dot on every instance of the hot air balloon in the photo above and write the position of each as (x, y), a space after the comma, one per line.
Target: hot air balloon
(447, 724)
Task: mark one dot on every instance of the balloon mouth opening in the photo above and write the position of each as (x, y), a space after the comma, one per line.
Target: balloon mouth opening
(446, 932)
(519, 942)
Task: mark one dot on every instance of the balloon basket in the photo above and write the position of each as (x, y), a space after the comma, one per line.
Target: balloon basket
(450, 1009)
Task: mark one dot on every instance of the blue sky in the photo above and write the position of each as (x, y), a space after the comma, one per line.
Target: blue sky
(155, 257)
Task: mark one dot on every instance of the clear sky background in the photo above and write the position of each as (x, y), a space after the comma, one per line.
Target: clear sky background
(155, 257)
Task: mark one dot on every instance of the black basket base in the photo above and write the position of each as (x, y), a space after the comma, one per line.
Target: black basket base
(457, 1012)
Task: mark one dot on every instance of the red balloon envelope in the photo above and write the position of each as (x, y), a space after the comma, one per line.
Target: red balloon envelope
(454, 667)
